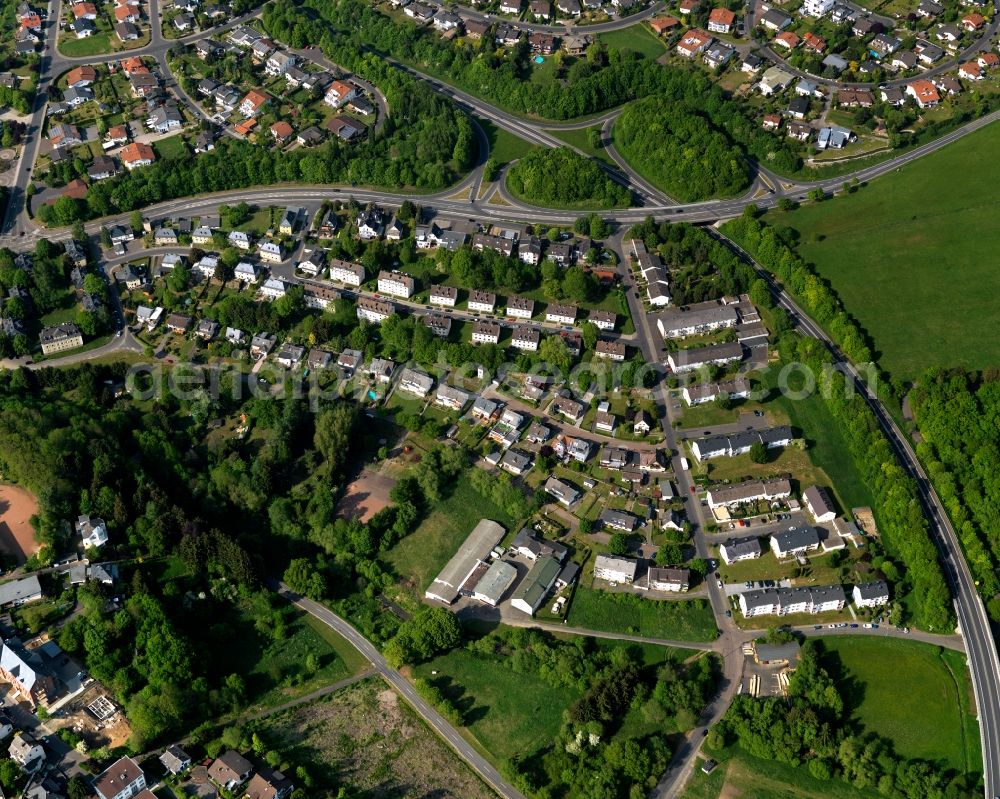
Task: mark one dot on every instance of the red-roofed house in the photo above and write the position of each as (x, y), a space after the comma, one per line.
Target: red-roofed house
(281, 131)
(787, 39)
(81, 76)
(693, 42)
(772, 121)
(85, 11)
(661, 25)
(971, 71)
(126, 13)
(721, 20)
(813, 42)
(133, 66)
(137, 154)
(988, 60)
(688, 6)
(252, 103)
(924, 92)
(338, 93)
(973, 22)
(31, 21)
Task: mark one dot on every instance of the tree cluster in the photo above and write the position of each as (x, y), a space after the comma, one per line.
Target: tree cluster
(562, 177)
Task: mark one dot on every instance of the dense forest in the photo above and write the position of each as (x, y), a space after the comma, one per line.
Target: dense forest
(812, 728)
(680, 150)
(957, 414)
(606, 78)
(561, 177)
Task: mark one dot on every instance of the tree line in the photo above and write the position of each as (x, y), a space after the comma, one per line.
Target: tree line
(956, 414)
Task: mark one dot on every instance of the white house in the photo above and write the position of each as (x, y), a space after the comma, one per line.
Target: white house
(93, 531)
(615, 569)
(871, 595)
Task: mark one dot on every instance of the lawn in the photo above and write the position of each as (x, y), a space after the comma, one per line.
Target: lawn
(708, 414)
(680, 620)
(504, 146)
(912, 257)
(637, 38)
(926, 715)
(98, 44)
(171, 147)
(424, 552)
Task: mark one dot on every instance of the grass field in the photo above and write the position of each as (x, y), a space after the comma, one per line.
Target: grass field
(171, 147)
(741, 776)
(912, 257)
(97, 44)
(581, 140)
(508, 713)
(637, 38)
(421, 555)
(926, 714)
(504, 146)
(366, 738)
(511, 713)
(666, 619)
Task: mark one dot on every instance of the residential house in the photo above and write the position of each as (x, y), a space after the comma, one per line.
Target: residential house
(775, 20)
(445, 296)
(339, 93)
(290, 355)
(784, 601)
(740, 443)
(319, 295)
(482, 301)
(525, 338)
(271, 252)
(136, 154)
(615, 569)
(535, 586)
(262, 344)
(713, 355)
(92, 531)
(122, 780)
(372, 310)
(230, 770)
(820, 506)
(59, 338)
(345, 272)
(871, 595)
(175, 760)
(693, 43)
(520, 307)
(313, 261)
(721, 20)
(396, 284)
(269, 784)
(416, 382)
(562, 491)
(740, 549)
(794, 541)
(438, 324)
(27, 752)
(610, 350)
(253, 102)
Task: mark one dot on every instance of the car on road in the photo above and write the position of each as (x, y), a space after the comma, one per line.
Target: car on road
(854, 626)
(818, 627)
(868, 626)
(720, 583)
(729, 614)
(758, 413)
(831, 626)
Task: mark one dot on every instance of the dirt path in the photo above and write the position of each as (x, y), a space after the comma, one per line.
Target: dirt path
(17, 537)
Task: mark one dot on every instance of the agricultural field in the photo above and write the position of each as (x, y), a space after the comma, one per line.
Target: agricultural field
(927, 716)
(687, 620)
(911, 256)
(368, 736)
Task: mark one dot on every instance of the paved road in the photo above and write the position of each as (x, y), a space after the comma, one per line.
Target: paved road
(973, 623)
(428, 713)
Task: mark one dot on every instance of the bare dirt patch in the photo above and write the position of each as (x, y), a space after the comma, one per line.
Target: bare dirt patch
(366, 496)
(369, 738)
(17, 538)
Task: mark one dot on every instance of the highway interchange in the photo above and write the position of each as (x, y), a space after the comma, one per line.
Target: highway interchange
(19, 232)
